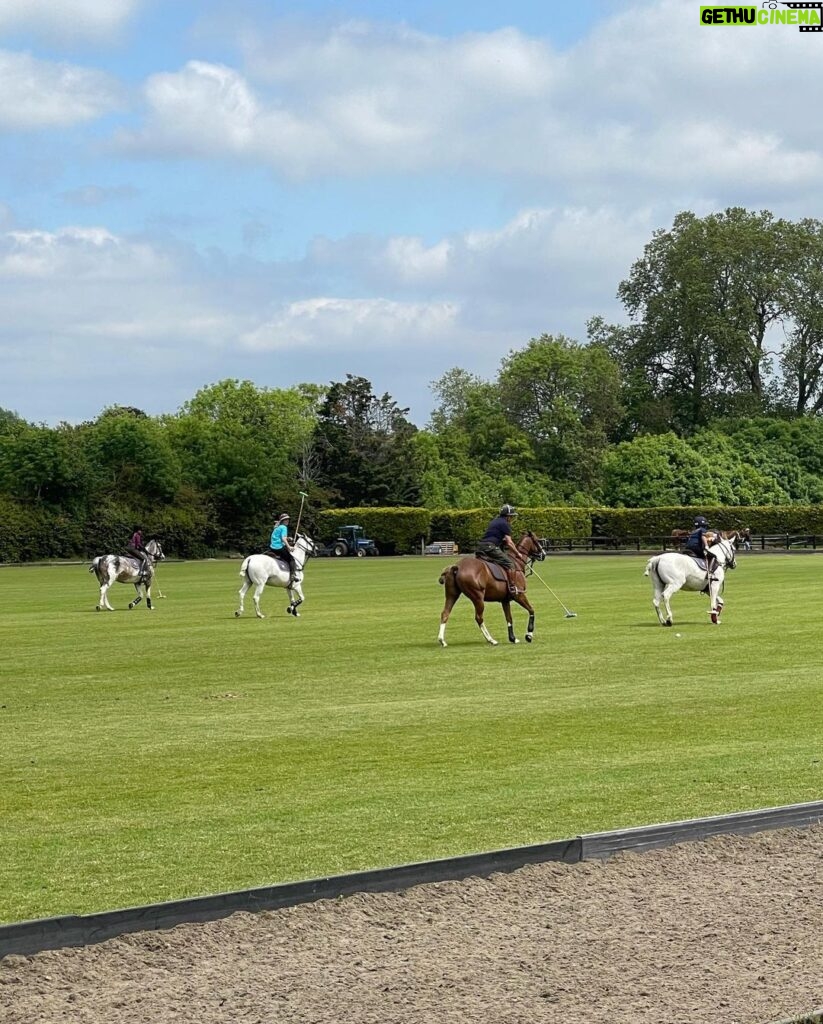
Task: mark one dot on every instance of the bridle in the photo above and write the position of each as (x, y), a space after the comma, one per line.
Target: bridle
(727, 547)
(535, 554)
(307, 548)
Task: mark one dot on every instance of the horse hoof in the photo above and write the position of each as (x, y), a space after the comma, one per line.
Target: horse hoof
(668, 622)
(131, 606)
(715, 619)
(443, 643)
(97, 609)
(513, 640)
(529, 638)
(237, 615)
(493, 643)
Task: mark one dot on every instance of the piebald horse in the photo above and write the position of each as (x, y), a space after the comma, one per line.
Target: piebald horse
(474, 577)
(260, 571)
(126, 569)
(673, 571)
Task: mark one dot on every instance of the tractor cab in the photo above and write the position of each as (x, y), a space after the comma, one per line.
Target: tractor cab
(352, 540)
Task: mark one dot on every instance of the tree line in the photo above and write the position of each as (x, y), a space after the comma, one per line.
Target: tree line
(709, 393)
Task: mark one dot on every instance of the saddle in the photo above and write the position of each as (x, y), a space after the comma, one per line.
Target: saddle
(133, 563)
(497, 570)
(284, 565)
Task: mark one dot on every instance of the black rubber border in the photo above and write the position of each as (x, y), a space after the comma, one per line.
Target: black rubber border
(28, 937)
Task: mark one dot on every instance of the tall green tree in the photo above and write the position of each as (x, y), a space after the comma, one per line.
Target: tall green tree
(364, 445)
(702, 301)
(565, 398)
(239, 445)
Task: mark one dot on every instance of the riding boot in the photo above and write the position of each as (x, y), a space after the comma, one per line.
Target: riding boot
(511, 579)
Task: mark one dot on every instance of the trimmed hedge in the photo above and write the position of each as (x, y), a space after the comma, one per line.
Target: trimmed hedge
(467, 526)
(659, 522)
(31, 533)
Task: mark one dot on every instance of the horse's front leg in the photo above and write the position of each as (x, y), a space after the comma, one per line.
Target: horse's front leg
(524, 602)
(715, 602)
(507, 611)
(294, 604)
(138, 598)
(149, 605)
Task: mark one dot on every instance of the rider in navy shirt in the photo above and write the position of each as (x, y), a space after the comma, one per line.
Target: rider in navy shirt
(700, 541)
(497, 544)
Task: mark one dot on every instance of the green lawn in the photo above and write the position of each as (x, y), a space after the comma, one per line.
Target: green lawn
(145, 757)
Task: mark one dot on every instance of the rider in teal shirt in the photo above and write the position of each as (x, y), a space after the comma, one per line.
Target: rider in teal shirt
(280, 546)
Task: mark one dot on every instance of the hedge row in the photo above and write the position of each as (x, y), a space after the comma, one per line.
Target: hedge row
(659, 522)
(34, 533)
(31, 534)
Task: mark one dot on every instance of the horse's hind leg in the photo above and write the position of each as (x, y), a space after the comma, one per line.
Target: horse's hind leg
(658, 593)
(668, 590)
(243, 591)
(477, 601)
(451, 598)
(258, 590)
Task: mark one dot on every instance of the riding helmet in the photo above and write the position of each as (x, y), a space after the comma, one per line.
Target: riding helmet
(508, 510)
(283, 518)
(701, 521)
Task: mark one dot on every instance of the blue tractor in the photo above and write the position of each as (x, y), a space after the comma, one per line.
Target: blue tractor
(352, 541)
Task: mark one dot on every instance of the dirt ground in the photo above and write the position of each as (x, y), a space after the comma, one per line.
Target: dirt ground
(726, 931)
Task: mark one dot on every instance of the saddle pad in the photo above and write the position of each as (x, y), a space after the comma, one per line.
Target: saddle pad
(498, 571)
(701, 562)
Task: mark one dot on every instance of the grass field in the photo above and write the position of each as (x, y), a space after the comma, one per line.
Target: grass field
(146, 757)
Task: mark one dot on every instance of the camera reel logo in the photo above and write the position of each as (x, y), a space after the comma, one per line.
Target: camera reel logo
(803, 7)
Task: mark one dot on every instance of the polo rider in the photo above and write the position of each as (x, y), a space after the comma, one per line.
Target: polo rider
(136, 549)
(280, 545)
(699, 542)
(497, 545)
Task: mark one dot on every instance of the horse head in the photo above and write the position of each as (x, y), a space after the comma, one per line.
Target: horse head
(305, 544)
(155, 549)
(724, 550)
(530, 548)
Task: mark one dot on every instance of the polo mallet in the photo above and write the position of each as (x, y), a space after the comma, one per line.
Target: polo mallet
(569, 615)
(303, 497)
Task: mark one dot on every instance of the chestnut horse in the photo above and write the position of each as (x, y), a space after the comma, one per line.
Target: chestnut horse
(473, 577)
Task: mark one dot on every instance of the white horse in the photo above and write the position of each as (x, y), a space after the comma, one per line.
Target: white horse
(264, 571)
(673, 571)
(126, 569)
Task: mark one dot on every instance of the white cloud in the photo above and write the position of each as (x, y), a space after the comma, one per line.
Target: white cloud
(61, 18)
(75, 254)
(650, 100)
(328, 323)
(41, 94)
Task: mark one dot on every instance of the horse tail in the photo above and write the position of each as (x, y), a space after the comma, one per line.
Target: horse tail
(651, 565)
(451, 569)
(244, 567)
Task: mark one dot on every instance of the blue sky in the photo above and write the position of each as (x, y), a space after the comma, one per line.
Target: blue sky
(283, 192)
